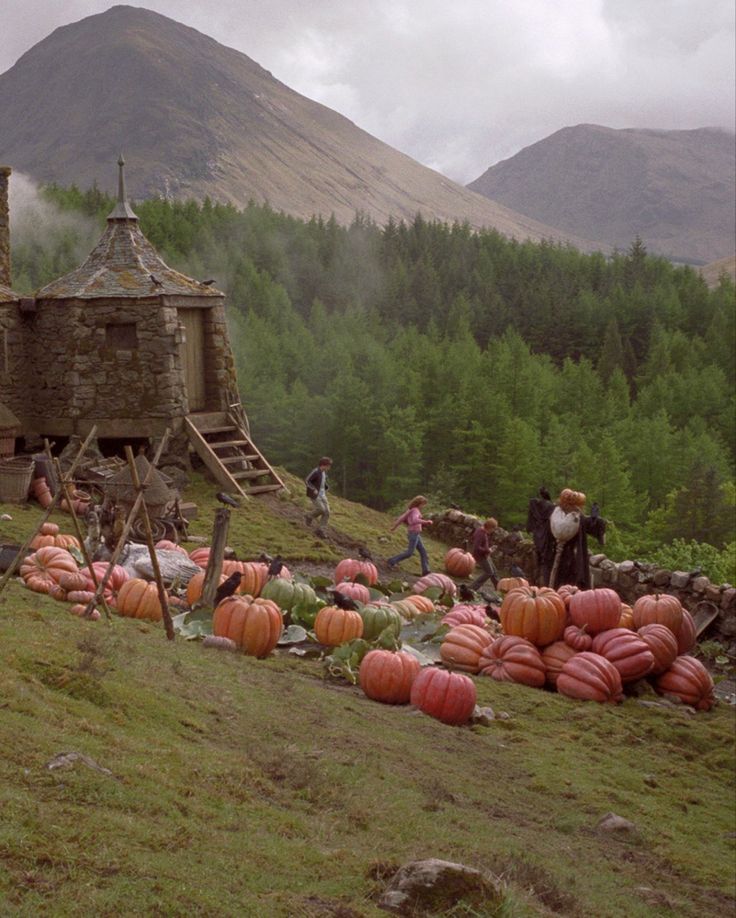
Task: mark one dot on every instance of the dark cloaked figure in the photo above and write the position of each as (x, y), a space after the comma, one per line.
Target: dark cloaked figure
(537, 523)
(574, 564)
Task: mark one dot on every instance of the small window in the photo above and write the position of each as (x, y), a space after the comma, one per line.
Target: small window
(122, 337)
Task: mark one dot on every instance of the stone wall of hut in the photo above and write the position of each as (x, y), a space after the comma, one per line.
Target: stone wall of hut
(221, 380)
(630, 579)
(13, 360)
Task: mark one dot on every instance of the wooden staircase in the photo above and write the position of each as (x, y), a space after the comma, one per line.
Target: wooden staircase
(221, 442)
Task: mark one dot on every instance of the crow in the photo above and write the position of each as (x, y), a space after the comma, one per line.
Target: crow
(342, 602)
(516, 571)
(492, 612)
(228, 587)
(364, 553)
(208, 282)
(274, 567)
(466, 594)
(155, 280)
(227, 499)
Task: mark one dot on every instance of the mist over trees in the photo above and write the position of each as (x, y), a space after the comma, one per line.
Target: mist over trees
(431, 358)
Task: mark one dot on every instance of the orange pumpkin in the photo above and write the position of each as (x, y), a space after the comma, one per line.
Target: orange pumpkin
(554, 658)
(506, 584)
(335, 626)
(463, 646)
(168, 545)
(79, 610)
(195, 586)
(658, 609)
(689, 681)
(595, 610)
(449, 697)
(663, 645)
(422, 603)
(139, 599)
(49, 529)
(464, 613)
(348, 569)
(537, 614)
(459, 563)
(513, 659)
(388, 677)
(44, 567)
(589, 677)
(627, 617)
(59, 540)
(254, 624)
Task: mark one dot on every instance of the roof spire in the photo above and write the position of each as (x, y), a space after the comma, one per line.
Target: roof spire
(122, 210)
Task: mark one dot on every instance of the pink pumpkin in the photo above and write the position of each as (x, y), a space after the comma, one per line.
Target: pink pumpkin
(354, 591)
(348, 569)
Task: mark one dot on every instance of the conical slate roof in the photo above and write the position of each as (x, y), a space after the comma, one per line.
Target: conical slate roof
(124, 264)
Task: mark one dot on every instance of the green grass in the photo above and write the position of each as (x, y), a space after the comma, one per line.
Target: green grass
(244, 787)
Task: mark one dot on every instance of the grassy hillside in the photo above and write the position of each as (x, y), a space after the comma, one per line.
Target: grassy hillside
(258, 788)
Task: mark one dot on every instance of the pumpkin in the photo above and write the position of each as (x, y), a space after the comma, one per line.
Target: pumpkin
(596, 610)
(462, 647)
(196, 585)
(57, 592)
(58, 540)
(48, 529)
(554, 657)
(627, 617)
(658, 609)
(407, 610)
(348, 569)
(44, 567)
(687, 634)
(168, 545)
(334, 626)
(537, 614)
(566, 591)
(571, 500)
(73, 580)
(79, 610)
(506, 584)
(449, 697)
(255, 624)
(663, 645)
(253, 575)
(287, 593)
(117, 577)
(590, 677)
(377, 618)
(435, 581)
(388, 677)
(354, 591)
(513, 659)
(200, 556)
(82, 596)
(423, 603)
(139, 599)
(577, 638)
(627, 651)
(465, 614)
(459, 563)
(689, 681)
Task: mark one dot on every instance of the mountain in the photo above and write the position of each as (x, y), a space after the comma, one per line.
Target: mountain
(675, 189)
(712, 272)
(195, 118)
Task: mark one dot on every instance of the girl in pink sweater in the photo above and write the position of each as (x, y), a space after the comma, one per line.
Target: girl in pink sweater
(414, 522)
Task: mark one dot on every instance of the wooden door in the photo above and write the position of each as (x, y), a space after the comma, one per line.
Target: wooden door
(192, 357)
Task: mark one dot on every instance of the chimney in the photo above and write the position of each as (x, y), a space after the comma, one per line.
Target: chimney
(4, 227)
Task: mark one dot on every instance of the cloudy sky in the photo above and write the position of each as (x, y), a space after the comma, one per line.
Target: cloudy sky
(461, 84)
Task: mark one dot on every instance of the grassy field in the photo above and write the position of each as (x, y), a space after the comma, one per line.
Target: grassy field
(245, 787)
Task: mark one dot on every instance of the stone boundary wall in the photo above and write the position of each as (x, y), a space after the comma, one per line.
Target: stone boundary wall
(630, 579)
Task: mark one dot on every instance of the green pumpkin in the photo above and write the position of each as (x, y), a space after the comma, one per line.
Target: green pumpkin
(287, 594)
(405, 609)
(377, 618)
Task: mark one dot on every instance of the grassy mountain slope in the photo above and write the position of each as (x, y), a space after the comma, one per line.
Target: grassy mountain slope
(675, 189)
(195, 118)
(255, 787)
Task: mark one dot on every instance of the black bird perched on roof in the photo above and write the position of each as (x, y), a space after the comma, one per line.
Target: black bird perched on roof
(364, 553)
(228, 587)
(516, 571)
(342, 602)
(227, 499)
(156, 281)
(466, 594)
(209, 281)
(275, 566)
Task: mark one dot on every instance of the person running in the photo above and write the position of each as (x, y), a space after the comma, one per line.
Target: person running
(482, 551)
(412, 517)
(317, 488)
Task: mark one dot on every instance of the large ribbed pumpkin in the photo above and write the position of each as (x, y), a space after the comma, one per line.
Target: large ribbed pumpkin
(423, 603)
(139, 599)
(449, 697)
(687, 634)
(44, 567)
(658, 609)
(459, 563)
(537, 614)
(196, 585)
(435, 581)
(376, 618)
(254, 624)
(334, 626)
(567, 591)
(117, 578)
(355, 591)
(590, 677)
(663, 644)
(507, 584)
(348, 569)
(57, 540)
(407, 610)
(596, 610)
(627, 651)
(554, 657)
(513, 659)
(689, 681)
(200, 556)
(462, 647)
(388, 677)
(288, 593)
(465, 614)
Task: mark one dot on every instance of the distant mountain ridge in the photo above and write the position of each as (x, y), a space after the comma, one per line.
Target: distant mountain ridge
(675, 189)
(195, 118)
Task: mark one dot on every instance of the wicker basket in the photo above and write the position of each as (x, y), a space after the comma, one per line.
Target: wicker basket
(15, 480)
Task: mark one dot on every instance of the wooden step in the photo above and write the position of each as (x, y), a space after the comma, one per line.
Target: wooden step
(221, 444)
(208, 431)
(250, 473)
(261, 489)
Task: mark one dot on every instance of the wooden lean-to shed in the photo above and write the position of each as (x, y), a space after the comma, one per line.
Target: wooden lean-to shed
(130, 345)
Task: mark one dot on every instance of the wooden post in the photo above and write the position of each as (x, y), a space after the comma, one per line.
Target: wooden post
(126, 529)
(49, 510)
(162, 595)
(217, 552)
(64, 485)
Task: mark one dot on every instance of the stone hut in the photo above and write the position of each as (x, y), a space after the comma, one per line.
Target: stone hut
(12, 353)
(133, 347)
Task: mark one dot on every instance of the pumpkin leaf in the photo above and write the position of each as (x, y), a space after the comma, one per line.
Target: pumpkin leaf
(421, 630)
(77, 555)
(294, 634)
(193, 624)
(375, 594)
(344, 661)
(433, 593)
(362, 579)
(321, 583)
(427, 656)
